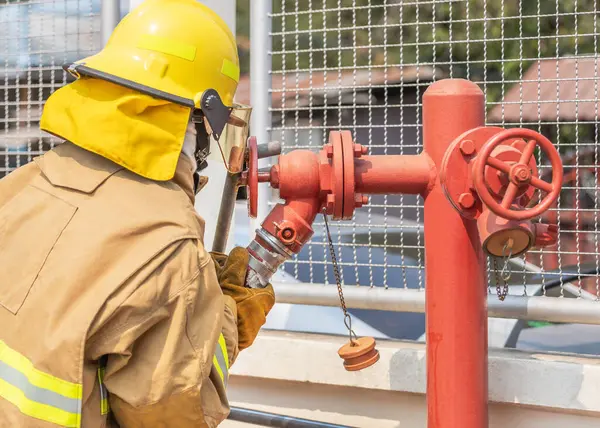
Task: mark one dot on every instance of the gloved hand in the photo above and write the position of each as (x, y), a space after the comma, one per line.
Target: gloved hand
(253, 304)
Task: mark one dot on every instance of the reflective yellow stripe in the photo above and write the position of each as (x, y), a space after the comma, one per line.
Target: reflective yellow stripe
(230, 70)
(167, 46)
(221, 360)
(104, 408)
(223, 346)
(38, 394)
(38, 410)
(37, 377)
(218, 367)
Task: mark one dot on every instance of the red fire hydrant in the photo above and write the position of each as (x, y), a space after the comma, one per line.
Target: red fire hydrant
(477, 183)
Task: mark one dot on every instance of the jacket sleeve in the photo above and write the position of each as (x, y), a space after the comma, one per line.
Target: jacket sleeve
(169, 344)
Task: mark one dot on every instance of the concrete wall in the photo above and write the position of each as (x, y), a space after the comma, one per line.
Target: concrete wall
(302, 375)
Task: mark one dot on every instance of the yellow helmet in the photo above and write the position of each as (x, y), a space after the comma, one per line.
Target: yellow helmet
(179, 52)
(171, 49)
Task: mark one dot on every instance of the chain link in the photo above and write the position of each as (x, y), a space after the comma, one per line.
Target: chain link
(504, 275)
(338, 280)
(501, 285)
(506, 256)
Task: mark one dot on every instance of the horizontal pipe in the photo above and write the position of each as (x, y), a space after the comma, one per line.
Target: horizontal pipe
(264, 176)
(379, 298)
(550, 309)
(536, 308)
(266, 419)
(567, 286)
(394, 174)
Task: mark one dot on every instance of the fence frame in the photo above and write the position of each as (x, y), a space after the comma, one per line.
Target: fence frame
(260, 89)
(110, 17)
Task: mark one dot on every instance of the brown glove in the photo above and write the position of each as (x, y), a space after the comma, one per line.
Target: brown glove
(219, 260)
(253, 304)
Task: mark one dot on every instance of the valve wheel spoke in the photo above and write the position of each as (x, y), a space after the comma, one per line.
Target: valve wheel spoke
(510, 195)
(528, 152)
(498, 164)
(541, 184)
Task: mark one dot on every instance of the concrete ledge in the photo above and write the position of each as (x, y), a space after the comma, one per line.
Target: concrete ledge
(556, 382)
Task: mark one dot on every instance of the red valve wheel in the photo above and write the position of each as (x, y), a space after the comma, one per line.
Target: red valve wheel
(252, 177)
(519, 174)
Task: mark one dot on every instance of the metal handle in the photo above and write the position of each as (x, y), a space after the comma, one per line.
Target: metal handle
(268, 150)
(518, 174)
(267, 419)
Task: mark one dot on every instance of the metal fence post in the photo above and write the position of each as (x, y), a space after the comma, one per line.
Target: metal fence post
(111, 15)
(456, 313)
(260, 86)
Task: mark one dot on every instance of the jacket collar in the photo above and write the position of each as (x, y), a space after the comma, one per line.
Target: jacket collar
(184, 177)
(72, 167)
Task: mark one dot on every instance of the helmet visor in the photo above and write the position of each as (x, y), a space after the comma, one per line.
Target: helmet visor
(232, 142)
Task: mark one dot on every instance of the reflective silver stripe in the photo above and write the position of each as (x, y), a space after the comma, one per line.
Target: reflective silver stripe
(103, 392)
(37, 394)
(222, 363)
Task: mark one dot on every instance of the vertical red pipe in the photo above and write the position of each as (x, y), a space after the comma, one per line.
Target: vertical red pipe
(456, 316)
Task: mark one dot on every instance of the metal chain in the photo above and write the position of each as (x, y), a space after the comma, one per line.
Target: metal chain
(506, 255)
(338, 280)
(505, 273)
(501, 285)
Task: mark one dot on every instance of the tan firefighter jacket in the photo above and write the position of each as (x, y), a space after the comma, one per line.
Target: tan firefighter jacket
(105, 286)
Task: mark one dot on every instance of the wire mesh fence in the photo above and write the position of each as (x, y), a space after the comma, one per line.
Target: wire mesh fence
(363, 65)
(36, 39)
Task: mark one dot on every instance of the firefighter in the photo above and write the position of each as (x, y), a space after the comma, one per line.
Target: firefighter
(112, 311)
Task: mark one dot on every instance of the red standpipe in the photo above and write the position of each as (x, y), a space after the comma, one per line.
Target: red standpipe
(455, 291)
(476, 189)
